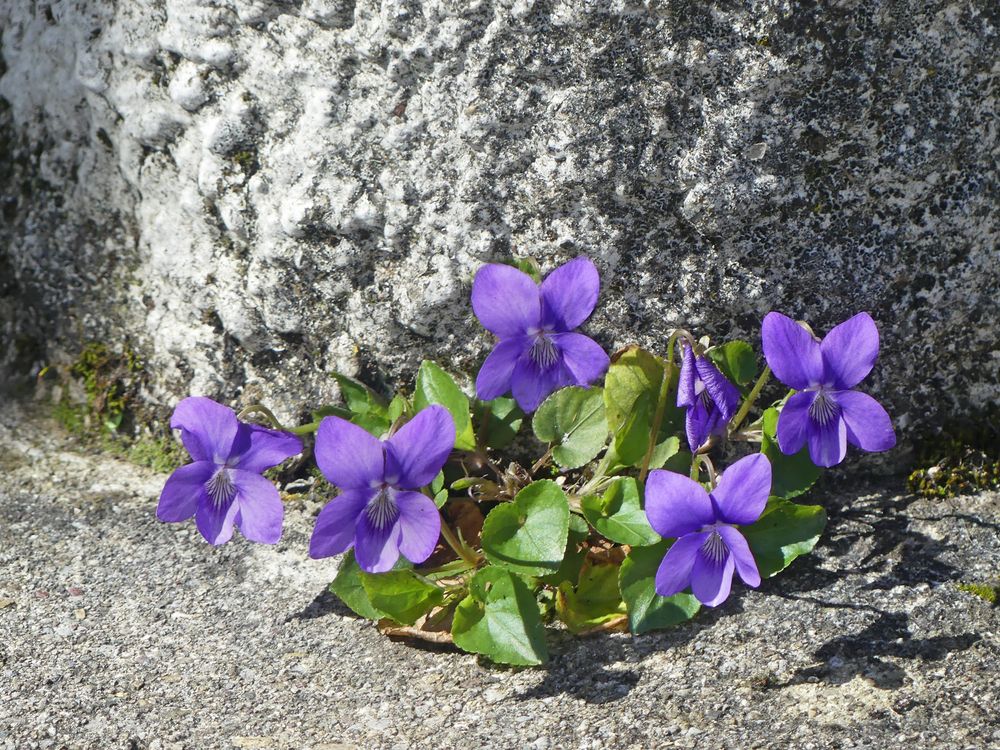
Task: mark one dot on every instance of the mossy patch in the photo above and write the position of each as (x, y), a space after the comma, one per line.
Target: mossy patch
(965, 459)
(104, 414)
(985, 591)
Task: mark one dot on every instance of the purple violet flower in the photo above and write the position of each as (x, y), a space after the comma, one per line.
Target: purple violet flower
(708, 545)
(826, 413)
(224, 487)
(710, 398)
(538, 351)
(378, 510)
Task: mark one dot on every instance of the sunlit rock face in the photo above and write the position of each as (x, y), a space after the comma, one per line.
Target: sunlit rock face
(251, 194)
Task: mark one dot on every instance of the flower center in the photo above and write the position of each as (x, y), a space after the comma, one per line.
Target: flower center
(220, 487)
(382, 509)
(543, 351)
(715, 548)
(823, 408)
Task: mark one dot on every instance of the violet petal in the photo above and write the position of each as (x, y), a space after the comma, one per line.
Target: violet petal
(794, 421)
(335, 524)
(506, 301)
(674, 573)
(827, 442)
(711, 580)
(494, 376)
(348, 455)
(569, 294)
(184, 489)
(261, 448)
(743, 558)
(792, 354)
(850, 350)
(676, 505)
(260, 512)
(868, 424)
(215, 520)
(208, 429)
(419, 526)
(531, 384)
(416, 453)
(686, 395)
(742, 491)
(376, 548)
(582, 357)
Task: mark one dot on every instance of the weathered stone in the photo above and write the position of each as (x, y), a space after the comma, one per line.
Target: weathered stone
(254, 193)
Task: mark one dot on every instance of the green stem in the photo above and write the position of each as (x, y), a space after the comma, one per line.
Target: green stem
(460, 549)
(261, 409)
(542, 461)
(750, 400)
(661, 403)
(694, 467)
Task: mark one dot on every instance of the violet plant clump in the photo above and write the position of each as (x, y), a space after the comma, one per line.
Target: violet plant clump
(656, 482)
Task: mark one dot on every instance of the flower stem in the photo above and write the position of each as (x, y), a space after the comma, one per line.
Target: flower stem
(542, 461)
(458, 546)
(261, 409)
(750, 399)
(661, 403)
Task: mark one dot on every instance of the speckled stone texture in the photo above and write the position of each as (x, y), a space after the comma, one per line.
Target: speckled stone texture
(251, 193)
(118, 632)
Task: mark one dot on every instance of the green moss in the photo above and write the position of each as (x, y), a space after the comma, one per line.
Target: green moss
(163, 454)
(247, 160)
(984, 591)
(964, 459)
(110, 380)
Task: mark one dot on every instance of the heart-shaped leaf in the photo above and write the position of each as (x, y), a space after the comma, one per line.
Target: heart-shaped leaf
(618, 514)
(500, 619)
(594, 601)
(528, 535)
(401, 594)
(572, 419)
(647, 610)
(435, 386)
(735, 360)
(792, 475)
(785, 531)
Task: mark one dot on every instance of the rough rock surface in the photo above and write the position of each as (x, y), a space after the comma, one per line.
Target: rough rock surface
(117, 631)
(252, 193)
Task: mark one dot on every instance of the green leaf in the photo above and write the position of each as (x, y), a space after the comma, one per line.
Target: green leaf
(633, 374)
(736, 360)
(401, 594)
(328, 410)
(631, 393)
(360, 399)
(349, 589)
(437, 483)
(665, 451)
(504, 421)
(647, 610)
(528, 536)
(500, 620)
(619, 516)
(785, 531)
(790, 475)
(573, 557)
(373, 423)
(435, 386)
(397, 408)
(572, 419)
(632, 440)
(441, 498)
(592, 602)
(529, 266)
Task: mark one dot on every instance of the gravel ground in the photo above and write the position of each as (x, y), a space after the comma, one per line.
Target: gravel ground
(117, 631)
